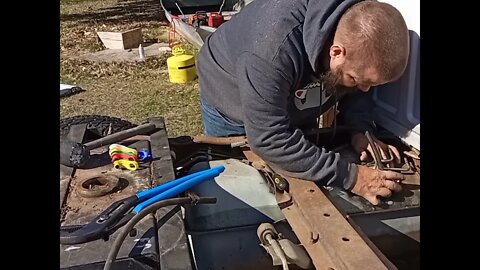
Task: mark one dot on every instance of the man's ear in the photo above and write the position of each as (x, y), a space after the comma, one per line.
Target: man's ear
(337, 51)
(337, 55)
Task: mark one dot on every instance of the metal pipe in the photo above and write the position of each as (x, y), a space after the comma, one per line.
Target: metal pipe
(277, 249)
(181, 12)
(221, 7)
(376, 154)
(122, 135)
(220, 140)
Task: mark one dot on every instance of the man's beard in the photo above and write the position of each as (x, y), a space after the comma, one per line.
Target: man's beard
(331, 81)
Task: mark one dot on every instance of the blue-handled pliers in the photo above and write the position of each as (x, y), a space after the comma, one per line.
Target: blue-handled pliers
(120, 212)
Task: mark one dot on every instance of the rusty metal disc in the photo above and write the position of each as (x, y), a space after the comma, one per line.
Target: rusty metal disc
(97, 186)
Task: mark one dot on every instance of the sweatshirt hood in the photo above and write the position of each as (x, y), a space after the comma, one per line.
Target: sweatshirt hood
(321, 19)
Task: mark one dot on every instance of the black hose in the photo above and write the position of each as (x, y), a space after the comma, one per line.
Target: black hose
(112, 255)
(319, 114)
(334, 118)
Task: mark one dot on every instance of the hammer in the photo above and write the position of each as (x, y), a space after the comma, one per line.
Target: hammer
(74, 154)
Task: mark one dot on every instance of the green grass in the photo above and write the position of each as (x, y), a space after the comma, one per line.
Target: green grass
(131, 91)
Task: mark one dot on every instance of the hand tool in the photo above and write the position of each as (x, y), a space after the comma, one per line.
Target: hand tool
(120, 212)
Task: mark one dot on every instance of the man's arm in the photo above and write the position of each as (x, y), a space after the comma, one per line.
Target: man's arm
(264, 96)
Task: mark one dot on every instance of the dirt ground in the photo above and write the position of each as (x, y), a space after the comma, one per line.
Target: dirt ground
(133, 91)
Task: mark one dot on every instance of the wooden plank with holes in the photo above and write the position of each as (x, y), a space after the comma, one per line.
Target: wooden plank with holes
(329, 231)
(328, 237)
(162, 169)
(76, 134)
(172, 233)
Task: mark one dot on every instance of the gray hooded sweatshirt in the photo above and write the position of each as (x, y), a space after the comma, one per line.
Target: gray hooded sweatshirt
(257, 69)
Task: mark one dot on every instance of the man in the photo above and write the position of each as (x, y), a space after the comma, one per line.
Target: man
(278, 64)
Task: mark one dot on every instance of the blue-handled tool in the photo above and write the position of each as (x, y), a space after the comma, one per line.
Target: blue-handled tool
(120, 212)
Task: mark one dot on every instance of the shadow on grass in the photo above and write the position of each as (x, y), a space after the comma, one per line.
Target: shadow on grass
(124, 12)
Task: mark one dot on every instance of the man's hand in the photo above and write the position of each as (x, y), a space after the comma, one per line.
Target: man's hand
(361, 146)
(372, 183)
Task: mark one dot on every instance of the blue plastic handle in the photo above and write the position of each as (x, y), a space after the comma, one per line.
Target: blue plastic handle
(193, 180)
(147, 194)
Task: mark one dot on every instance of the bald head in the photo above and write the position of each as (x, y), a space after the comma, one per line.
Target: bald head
(374, 35)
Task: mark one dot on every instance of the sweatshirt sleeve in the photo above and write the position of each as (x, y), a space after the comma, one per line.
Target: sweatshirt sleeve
(264, 95)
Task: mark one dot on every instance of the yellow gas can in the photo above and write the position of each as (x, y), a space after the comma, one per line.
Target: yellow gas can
(181, 66)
